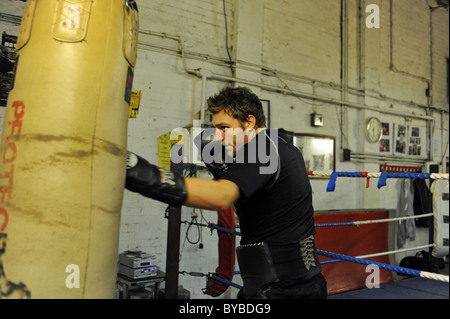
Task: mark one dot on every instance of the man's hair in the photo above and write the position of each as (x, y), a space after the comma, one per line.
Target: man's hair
(239, 103)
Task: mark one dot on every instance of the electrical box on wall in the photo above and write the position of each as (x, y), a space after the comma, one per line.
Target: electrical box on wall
(346, 155)
(431, 167)
(207, 118)
(316, 120)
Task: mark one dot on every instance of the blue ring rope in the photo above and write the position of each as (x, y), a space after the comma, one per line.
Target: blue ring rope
(335, 224)
(337, 258)
(403, 270)
(381, 181)
(230, 283)
(384, 176)
(334, 175)
(233, 232)
(223, 229)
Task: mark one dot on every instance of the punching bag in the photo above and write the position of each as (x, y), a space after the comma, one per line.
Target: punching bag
(63, 149)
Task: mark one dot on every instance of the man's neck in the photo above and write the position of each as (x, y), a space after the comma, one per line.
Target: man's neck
(255, 132)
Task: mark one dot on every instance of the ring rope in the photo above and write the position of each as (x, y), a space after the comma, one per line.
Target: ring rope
(418, 273)
(353, 223)
(380, 175)
(395, 251)
(199, 274)
(223, 229)
(373, 221)
(226, 281)
(391, 252)
(413, 272)
(212, 226)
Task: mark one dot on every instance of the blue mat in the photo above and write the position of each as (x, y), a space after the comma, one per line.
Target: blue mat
(413, 288)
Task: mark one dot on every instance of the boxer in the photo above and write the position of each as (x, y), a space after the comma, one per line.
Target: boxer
(265, 179)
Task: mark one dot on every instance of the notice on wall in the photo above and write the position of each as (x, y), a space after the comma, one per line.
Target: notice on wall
(164, 147)
(135, 100)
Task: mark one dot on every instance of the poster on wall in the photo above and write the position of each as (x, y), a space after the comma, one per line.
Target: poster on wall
(400, 140)
(415, 142)
(385, 141)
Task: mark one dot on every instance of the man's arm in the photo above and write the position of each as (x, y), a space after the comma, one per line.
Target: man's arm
(209, 194)
(173, 189)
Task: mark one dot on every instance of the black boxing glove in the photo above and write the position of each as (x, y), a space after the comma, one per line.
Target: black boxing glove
(217, 168)
(154, 182)
(213, 154)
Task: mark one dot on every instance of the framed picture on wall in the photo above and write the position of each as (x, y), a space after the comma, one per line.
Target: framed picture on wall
(415, 142)
(318, 151)
(385, 141)
(400, 139)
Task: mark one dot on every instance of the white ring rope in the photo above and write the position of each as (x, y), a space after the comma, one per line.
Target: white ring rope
(375, 221)
(414, 272)
(391, 252)
(430, 275)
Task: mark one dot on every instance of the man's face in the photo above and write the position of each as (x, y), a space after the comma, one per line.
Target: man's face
(231, 131)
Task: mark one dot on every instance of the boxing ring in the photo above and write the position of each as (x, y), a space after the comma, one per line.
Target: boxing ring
(342, 240)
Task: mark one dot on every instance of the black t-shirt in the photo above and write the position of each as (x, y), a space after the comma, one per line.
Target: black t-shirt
(275, 202)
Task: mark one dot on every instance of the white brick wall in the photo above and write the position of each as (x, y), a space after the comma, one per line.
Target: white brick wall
(292, 30)
(301, 38)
